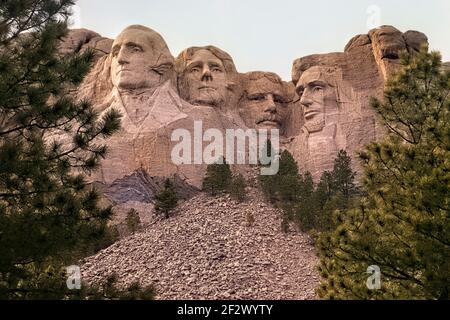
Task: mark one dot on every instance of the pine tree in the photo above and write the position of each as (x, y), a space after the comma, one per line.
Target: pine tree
(108, 290)
(325, 189)
(283, 187)
(47, 212)
(267, 181)
(288, 178)
(166, 199)
(343, 176)
(336, 190)
(402, 226)
(305, 212)
(218, 177)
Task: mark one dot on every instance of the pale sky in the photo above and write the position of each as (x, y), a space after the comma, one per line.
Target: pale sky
(267, 35)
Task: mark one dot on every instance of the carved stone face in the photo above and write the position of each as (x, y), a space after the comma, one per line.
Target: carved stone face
(140, 59)
(318, 98)
(388, 41)
(206, 79)
(264, 105)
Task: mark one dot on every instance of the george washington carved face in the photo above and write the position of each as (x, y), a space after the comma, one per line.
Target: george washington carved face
(140, 59)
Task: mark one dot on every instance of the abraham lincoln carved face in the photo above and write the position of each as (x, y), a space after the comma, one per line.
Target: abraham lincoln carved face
(318, 97)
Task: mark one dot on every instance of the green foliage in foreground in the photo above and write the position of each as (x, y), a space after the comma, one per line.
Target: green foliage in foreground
(218, 178)
(166, 199)
(311, 207)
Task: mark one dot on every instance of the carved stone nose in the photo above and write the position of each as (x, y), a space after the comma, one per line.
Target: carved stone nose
(270, 104)
(305, 101)
(270, 108)
(121, 58)
(206, 75)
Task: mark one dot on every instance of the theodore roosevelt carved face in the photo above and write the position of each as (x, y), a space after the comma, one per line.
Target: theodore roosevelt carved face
(265, 102)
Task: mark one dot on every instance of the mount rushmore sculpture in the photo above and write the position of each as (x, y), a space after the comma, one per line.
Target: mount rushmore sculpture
(324, 108)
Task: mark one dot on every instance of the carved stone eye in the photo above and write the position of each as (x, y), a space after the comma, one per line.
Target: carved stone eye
(278, 99)
(257, 98)
(136, 49)
(195, 70)
(162, 68)
(317, 89)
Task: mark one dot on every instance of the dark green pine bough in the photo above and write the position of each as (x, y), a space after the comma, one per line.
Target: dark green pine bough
(49, 217)
(166, 200)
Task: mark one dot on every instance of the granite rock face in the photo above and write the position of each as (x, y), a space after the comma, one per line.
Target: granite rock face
(388, 43)
(79, 40)
(323, 109)
(141, 187)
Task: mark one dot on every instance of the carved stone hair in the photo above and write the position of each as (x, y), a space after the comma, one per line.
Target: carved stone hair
(287, 90)
(256, 75)
(187, 54)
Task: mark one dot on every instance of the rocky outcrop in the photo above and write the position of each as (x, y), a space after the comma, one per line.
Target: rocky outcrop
(387, 44)
(137, 192)
(141, 187)
(80, 40)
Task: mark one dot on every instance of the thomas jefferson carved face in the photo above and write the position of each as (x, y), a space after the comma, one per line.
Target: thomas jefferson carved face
(206, 76)
(317, 96)
(206, 79)
(264, 105)
(140, 59)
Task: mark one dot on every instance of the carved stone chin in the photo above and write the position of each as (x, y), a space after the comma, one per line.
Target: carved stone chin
(313, 126)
